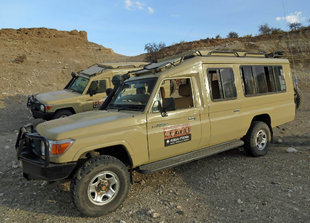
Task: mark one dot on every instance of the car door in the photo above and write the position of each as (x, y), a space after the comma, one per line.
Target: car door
(224, 105)
(178, 130)
(94, 101)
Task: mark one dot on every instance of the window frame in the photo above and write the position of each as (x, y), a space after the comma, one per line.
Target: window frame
(158, 92)
(221, 84)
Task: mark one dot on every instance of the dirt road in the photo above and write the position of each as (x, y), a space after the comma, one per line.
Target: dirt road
(228, 187)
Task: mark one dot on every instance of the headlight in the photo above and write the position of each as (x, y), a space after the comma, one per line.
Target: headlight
(57, 147)
(42, 108)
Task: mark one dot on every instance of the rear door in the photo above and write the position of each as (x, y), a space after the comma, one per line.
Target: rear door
(224, 104)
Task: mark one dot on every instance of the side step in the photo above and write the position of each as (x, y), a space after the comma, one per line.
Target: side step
(188, 157)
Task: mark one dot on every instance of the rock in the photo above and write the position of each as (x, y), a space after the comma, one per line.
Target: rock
(240, 201)
(15, 165)
(155, 215)
(280, 140)
(122, 221)
(6, 147)
(179, 207)
(1, 194)
(291, 150)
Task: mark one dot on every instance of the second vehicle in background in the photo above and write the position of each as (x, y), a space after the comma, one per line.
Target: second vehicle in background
(85, 91)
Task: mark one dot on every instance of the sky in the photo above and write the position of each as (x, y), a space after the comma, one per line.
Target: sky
(127, 25)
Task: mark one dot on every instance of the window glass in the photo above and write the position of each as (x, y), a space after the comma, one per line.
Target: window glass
(228, 83)
(98, 86)
(133, 95)
(248, 80)
(79, 84)
(262, 79)
(222, 83)
(279, 78)
(174, 94)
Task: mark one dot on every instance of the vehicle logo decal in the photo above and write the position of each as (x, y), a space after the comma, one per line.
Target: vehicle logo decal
(177, 134)
(97, 104)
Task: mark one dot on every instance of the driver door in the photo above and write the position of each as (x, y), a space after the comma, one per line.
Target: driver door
(94, 101)
(180, 130)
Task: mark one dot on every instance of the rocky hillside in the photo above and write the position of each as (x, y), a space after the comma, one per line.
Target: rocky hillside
(40, 59)
(295, 44)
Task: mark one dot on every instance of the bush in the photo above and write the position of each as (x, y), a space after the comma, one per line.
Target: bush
(232, 35)
(153, 50)
(294, 26)
(264, 29)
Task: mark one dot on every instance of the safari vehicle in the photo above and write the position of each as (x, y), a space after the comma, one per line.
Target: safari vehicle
(85, 91)
(169, 113)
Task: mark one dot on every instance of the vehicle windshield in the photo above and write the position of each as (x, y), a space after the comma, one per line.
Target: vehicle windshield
(133, 95)
(79, 84)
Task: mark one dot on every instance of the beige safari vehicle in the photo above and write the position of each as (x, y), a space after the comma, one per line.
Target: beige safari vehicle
(169, 113)
(86, 91)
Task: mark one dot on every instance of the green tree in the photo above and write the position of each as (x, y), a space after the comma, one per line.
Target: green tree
(232, 35)
(295, 26)
(264, 29)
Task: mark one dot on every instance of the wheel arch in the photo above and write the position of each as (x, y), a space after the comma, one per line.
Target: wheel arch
(71, 109)
(263, 118)
(118, 151)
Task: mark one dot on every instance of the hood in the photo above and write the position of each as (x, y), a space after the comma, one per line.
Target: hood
(49, 97)
(84, 124)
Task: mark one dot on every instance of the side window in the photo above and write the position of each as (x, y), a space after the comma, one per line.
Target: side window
(102, 86)
(99, 86)
(248, 80)
(174, 94)
(279, 78)
(262, 79)
(222, 83)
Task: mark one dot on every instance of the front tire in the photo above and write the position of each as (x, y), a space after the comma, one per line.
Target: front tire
(62, 114)
(100, 186)
(257, 139)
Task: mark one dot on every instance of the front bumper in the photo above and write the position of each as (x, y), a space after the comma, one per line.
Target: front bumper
(35, 166)
(34, 105)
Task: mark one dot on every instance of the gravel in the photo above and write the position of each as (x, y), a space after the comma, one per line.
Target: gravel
(227, 187)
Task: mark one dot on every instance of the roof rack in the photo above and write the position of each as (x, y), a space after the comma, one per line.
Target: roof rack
(179, 58)
(223, 53)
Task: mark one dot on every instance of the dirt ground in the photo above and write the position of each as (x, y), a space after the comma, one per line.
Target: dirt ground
(228, 187)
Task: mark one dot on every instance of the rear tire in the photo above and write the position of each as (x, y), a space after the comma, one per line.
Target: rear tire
(62, 114)
(298, 97)
(100, 186)
(257, 139)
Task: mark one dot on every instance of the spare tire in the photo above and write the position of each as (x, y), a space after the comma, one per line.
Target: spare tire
(298, 97)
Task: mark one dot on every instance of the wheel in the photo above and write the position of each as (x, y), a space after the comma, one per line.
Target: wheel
(257, 139)
(100, 186)
(298, 97)
(62, 114)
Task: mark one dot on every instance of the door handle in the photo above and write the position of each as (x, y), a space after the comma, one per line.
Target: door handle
(191, 118)
(236, 110)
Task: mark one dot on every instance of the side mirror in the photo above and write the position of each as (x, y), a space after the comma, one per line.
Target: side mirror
(162, 109)
(92, 92)
(73, 74)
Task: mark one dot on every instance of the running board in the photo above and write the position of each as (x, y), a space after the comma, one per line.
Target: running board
(188, 157)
